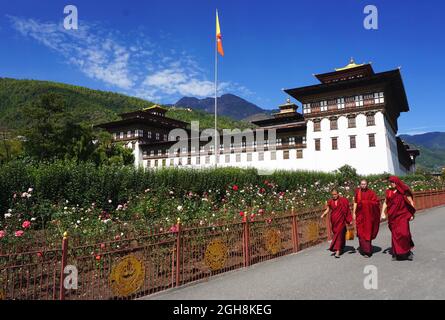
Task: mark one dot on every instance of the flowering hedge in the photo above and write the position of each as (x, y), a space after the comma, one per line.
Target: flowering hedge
(103, 203)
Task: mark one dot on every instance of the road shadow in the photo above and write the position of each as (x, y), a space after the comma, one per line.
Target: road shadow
(387, 251)
(349, 250)
(376, 249)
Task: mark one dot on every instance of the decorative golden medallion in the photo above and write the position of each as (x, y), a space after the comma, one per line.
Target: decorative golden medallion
(216, 254)
(312, 231)
(127, 276)
(273, 241)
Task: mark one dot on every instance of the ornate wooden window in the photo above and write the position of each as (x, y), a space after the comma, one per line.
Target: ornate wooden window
(315, 107)
(379, 97)
(261, 156)
(238, 157)
(334, 143)
(334, 123)
(352, 123)
(227, 158)
(317, 125)
(249, 157)
(352, 142)
(273, 155)
(341, 103)
(149, 134)
(332, 104)
(291, 141)
(286, 154)
(370, 119)
(371, 139)
(299, 154)
(317, 145)
(350, 102)
(359, 101)
(324, 105)
(368, 99)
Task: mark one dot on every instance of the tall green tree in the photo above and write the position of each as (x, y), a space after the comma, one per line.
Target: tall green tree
(53, 131)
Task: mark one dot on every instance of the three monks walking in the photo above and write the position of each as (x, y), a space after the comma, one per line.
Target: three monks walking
(398, 207)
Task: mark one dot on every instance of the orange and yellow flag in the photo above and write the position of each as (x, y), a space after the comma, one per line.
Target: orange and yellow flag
(218, 36)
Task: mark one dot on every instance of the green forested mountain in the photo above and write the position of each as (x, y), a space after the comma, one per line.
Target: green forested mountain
(88, 106)
(432, 149)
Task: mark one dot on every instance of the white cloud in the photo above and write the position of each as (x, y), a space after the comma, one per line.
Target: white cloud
(99, 58)
(139, 68)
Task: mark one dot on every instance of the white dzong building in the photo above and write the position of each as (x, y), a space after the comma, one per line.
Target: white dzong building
(349, 118)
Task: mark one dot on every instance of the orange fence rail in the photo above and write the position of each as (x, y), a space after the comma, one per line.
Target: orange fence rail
(131, 268)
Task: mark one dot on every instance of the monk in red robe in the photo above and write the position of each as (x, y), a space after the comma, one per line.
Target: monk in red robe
(399, 206)
(340, 216)
(366, 214)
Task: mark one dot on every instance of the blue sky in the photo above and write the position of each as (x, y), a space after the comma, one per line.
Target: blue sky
(162, 50)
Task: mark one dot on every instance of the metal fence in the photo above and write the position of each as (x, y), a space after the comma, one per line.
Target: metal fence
(131, 268)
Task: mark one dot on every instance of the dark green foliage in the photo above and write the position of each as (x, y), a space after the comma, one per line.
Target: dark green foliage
(84, 183)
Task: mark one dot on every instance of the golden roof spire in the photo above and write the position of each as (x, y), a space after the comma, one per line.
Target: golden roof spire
(351, 65)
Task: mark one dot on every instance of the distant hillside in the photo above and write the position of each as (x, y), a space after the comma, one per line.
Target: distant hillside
(432, 149)
(90, 106)
(433, 140)
(228, 105)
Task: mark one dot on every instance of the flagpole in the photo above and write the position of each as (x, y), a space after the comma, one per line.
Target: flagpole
(216, 101)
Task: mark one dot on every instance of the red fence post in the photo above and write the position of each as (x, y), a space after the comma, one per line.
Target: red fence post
(246, 241)
(63, 265)
(178, 253)
(419, 202)
(294, 231)
(430, 197)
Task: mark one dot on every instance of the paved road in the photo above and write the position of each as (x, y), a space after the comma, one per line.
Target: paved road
(314, 274)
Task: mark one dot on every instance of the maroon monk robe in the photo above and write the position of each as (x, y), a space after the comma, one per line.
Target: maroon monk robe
(399, 212)
(340, 215)
(367, 218)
